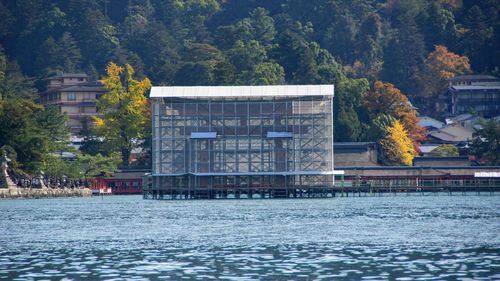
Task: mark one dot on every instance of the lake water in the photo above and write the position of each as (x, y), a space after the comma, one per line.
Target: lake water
(355, 238)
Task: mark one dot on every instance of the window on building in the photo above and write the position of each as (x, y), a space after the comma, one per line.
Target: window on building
(71, 96)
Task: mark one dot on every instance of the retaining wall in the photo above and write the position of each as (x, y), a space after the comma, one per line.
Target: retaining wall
(10, 193)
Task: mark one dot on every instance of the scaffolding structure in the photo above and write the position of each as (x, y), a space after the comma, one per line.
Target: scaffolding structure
(249, 141)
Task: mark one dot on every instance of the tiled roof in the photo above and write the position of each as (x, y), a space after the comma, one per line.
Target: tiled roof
(92, 86)
(70, 75)
(426, 121)
(452, 133)
(475, 87)
(427, 148)
(473, 78)
(84, 87)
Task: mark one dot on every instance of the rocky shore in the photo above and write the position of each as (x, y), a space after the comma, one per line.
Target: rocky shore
(13, 193)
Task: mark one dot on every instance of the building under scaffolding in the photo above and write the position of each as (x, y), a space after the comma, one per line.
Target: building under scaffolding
(245, 141)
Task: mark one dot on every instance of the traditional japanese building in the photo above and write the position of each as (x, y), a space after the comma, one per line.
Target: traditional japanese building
(472, 93)
(250, 141)
(75, 96)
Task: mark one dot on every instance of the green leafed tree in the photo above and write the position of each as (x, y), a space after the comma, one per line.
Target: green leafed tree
(267, 74)
(445, 150)
(57, 166)
(487, 147)
(124, 107)
(262, 26)
(13, 84)
(404, 55)
(32, 131)
(93, 165)
(378, 126)
(347, 108)
(245, 55)
(298, 58)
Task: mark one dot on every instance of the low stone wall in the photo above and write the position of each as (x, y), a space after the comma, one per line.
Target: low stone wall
(401, 171)
(11, 193)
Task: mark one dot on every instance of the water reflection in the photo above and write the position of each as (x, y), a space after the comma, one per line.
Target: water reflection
(318, 261)
(116, 238)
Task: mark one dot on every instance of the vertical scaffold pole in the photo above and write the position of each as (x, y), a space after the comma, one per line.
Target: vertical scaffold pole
(342, 184)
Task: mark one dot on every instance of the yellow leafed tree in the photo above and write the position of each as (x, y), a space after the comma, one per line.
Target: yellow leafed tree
(397, 147)
(125, 110)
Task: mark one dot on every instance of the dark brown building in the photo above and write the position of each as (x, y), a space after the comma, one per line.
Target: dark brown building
(476, 93)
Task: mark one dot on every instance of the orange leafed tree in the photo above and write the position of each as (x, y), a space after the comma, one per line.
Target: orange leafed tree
(439, 66)
(385, 98)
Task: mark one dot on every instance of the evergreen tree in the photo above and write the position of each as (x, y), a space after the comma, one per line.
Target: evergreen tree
(262, 26)
(477, 36)
(369, 49)
(404, 55)
(266, 74)
(487, 148)
(339, 38)
(349, 122)
(297, 58)
(13, 84)
(31, 131)
(69, 54)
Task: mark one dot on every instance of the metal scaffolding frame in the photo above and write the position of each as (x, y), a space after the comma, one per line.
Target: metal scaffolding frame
(242, 146)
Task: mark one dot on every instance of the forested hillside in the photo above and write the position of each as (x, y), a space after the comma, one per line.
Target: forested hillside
(184, 42)
(412, 46)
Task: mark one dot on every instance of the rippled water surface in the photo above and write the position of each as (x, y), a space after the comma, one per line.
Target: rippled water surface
(366, 238)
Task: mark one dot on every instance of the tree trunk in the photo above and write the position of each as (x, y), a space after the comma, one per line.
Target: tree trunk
(125, 156)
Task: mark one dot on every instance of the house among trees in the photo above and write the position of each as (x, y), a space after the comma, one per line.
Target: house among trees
(452, 134)
(75, 96)
(467, 120)
(473, 93)
(430, 124)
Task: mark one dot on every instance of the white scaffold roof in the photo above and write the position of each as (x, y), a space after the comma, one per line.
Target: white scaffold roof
(241, 91)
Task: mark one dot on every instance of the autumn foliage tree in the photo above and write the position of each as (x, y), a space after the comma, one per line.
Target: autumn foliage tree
(439, 66)
(385, 98)
(125, 111)
(397, 147)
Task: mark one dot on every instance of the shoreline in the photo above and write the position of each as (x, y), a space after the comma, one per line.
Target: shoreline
(35, 193)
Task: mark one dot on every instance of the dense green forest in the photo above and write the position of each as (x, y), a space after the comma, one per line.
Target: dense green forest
(213, 42)
(410, 45)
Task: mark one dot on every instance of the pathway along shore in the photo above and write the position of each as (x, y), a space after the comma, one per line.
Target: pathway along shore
(13, 193)
(10, 190)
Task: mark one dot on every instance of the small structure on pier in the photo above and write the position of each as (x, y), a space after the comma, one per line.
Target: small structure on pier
(248, 141)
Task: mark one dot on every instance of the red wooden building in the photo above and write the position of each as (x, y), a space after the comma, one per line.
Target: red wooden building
(121, 182)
